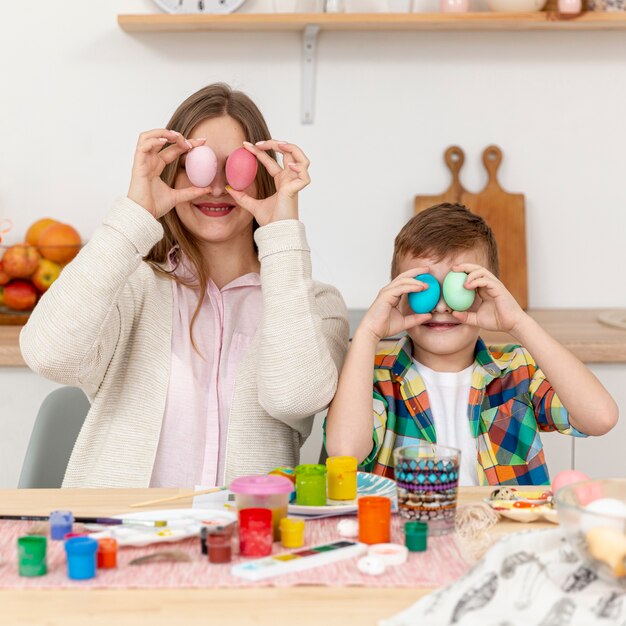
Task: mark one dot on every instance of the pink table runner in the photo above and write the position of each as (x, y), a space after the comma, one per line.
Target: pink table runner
(442, 563)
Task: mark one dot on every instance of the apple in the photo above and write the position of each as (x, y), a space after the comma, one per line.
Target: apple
(47, 272)
(59, 243)
(20, 260)
(20, 295)
(4, 277)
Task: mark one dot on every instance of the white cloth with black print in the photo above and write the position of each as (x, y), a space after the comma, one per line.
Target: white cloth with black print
(527, 579)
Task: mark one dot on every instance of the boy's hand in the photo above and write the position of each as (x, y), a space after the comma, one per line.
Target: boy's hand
(498, 309)
(383, 318)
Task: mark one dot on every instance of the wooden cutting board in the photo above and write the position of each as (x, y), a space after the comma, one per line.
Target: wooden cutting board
(504, 212)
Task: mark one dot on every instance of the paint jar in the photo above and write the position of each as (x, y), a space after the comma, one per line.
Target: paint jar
(416, 536)
(374, 519)
(341, 479)
(291, 532)
(60, 524)
(219, 544)
(70, 535)
(263, 492)
(255, 532)
(81, 557)
(107, 553)
(311, 485)
(31, 555)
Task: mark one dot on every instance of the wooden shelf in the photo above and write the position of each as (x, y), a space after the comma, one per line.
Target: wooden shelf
(579, 330)
(484, 21)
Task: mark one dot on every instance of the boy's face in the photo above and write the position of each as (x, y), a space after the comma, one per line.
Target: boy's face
(443, 344)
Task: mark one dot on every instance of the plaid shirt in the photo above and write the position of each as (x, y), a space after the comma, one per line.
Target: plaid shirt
(510, 400)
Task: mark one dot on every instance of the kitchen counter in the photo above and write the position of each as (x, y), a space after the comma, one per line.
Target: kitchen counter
(579, 330)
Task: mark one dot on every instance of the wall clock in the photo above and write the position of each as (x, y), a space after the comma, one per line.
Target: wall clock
(199, 6)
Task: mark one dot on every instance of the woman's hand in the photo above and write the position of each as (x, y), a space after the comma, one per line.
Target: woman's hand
(383, 318)
(146, 187)
(498, 310)
(290, 179)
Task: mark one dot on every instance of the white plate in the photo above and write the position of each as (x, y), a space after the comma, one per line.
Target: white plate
(181, 524)
(367, 485)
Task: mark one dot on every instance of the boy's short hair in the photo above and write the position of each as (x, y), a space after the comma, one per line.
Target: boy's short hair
(442, 230)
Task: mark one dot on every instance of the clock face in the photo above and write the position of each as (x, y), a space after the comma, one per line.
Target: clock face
(199, 6)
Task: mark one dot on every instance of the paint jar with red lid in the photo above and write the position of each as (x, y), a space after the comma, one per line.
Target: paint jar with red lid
(219, 544)
(256, 535)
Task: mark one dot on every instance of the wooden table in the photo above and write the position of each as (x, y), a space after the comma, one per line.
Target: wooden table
(302, 606)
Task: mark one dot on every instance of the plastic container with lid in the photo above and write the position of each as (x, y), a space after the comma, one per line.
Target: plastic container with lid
(263, 492)
(81, 557)
(311, 485)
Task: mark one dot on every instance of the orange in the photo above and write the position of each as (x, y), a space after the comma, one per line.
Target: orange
(36, 228)
(59, 243)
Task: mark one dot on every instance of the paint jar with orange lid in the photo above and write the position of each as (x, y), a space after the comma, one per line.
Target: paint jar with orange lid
(374, 519)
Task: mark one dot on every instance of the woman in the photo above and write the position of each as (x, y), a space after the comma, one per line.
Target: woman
(190, 319)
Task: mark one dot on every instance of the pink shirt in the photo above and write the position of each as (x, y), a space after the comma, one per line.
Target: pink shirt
(193, 433)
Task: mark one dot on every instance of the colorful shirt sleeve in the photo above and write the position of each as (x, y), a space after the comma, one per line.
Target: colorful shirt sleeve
(379, 404)
(549, 410)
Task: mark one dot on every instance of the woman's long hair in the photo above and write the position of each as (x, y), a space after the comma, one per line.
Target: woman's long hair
(216, 100)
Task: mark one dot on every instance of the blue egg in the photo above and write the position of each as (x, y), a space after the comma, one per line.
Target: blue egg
(425, 301)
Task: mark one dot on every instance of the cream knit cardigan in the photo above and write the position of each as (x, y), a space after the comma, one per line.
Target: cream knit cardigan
(105, 326)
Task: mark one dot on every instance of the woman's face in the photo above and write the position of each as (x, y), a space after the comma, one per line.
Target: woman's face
(215, 217)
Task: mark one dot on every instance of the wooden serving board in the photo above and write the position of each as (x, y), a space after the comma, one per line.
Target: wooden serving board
(504, 212)
(13, 318)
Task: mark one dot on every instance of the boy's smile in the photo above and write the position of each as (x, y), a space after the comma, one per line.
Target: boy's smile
(443, 343)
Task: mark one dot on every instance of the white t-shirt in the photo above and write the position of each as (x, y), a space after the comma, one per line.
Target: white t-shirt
(448, 393)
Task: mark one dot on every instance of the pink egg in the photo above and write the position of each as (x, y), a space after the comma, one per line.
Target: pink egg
(241, 169)
(567, 477)
(201, 166)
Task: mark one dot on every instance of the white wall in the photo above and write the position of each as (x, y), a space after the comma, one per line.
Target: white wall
(77, 90)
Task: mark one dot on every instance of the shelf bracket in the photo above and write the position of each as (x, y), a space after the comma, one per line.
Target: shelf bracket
(309, 49)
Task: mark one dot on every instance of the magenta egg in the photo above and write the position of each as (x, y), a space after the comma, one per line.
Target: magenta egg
(241, 169)
(201, 166)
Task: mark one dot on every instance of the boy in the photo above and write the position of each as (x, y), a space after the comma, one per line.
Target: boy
(442, 384)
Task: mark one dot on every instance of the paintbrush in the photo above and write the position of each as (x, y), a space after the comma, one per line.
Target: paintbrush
(105, 521)
(192, 494)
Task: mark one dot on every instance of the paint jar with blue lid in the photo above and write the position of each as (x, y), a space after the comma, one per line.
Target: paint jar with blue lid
(60, 524)
(81, 557)
(31, 555)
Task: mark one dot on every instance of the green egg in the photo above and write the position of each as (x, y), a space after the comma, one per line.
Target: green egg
(457, 297)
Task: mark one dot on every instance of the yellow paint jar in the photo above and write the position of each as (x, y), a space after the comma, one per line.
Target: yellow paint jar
(341, 479)
(291, 532)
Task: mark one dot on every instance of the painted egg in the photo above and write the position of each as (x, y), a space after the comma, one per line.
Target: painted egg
(348, 528)
(201, 166)
(241, 169)
(425, 301)
(567, 477)
(455, 294)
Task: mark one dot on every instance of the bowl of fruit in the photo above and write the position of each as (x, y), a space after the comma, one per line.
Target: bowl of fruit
(28, 268)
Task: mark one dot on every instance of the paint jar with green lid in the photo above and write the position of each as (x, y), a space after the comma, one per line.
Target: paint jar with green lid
(31, 555)
(311, 485)
(416, 536)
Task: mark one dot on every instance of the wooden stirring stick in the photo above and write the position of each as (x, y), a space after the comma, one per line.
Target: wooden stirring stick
(182, 497)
